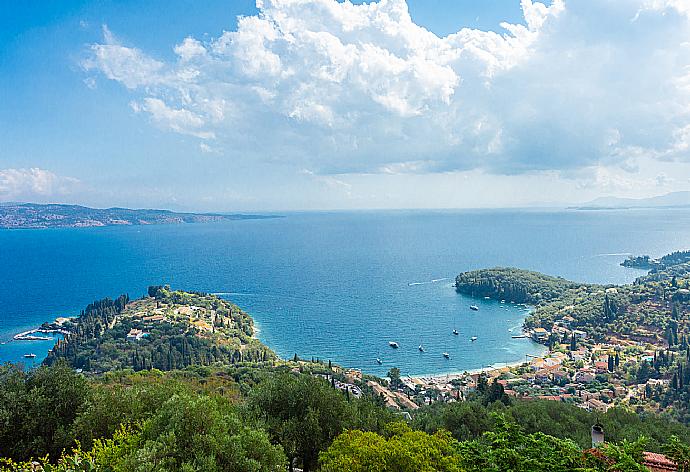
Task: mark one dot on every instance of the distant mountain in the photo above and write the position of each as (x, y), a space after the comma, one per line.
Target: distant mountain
(32, 215)
(674, 199)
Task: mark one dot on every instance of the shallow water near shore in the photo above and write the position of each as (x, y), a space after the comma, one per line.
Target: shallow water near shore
(337, 285)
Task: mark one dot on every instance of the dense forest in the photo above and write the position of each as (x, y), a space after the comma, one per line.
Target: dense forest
(166, 330)
(654, 306)
(248, 418)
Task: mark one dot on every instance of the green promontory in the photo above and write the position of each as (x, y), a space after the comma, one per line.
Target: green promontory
(166, 330)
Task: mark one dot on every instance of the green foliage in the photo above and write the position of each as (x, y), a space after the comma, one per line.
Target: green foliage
(507, 447)
(403, 451)
(99, 341)
(468, 420)
(520, 286)
(302, 413)
(37, 410)
(198, 432)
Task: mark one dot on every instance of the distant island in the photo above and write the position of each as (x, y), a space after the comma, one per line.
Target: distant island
(669, 200)
(34, 215)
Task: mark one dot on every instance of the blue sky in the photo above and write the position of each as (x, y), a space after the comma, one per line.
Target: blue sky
(312, 104)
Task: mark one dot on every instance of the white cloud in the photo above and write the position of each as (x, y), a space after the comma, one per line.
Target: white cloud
(180, 120)
(33, 182)
(343, 88)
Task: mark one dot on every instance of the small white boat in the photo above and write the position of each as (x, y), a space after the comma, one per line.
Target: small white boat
(474, 307)
(31, 356)
(378, 361)
(446, 355)
(421, 348)
(455, 332)
(473, 338)
(393, 344)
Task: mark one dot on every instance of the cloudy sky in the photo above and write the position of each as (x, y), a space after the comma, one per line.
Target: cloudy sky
(228, 105)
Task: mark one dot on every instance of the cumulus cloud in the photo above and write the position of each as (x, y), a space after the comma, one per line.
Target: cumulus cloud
(341, 88)
(33, 182)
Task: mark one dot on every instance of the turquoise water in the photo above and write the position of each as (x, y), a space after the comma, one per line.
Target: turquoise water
(336, 286)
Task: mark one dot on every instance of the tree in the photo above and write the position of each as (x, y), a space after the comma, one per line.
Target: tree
(496, 393)
(394, 376)
(679, 452)
(302, 413)
(403, 451)
(37, 410)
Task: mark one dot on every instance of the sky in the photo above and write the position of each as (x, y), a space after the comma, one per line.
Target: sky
(237, 105)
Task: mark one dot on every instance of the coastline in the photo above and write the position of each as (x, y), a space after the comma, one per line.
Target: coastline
(494, 368)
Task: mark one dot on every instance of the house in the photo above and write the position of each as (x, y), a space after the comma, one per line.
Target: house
(579, 334)
(154, 318)
(658, 462)
(353, 375)
(540, 334)
(136, 334)
(596, 405)
(584, 376)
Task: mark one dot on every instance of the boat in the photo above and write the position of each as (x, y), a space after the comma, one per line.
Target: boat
(393, 344)
(421, 348)
(31, 356)
(487, 298)
(455, 332)
(473, 338)
(474, 307)
(446, 355)
(378, 361)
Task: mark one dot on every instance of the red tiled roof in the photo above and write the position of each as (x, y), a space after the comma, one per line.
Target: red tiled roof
(658, 462)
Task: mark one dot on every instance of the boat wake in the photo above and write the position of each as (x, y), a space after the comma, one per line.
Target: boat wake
(614, 254)
(232, 294)
(433, 281)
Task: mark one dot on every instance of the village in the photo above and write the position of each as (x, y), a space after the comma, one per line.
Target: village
(593, 376)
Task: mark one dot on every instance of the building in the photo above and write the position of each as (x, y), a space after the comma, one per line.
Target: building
(658, 462)
(596, 405)
(540, 334)
(136, 334)
(579, 334)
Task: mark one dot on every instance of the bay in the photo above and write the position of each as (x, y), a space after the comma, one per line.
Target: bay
(335, 285)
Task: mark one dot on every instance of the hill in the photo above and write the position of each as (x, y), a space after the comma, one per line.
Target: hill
(33, 215)
(669, 200)
(166, 330)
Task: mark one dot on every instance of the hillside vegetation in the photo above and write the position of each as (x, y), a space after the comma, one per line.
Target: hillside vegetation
(166, 330)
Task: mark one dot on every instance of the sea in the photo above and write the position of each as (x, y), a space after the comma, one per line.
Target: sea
(335, 286)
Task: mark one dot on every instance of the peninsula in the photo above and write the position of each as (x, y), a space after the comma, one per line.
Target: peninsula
(165, 330)
(33, 215)
(624, 345)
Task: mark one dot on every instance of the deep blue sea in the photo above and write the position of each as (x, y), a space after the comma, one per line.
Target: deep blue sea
(336, 285)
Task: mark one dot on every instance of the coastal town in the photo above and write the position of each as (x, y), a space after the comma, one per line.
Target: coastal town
(594, 376)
